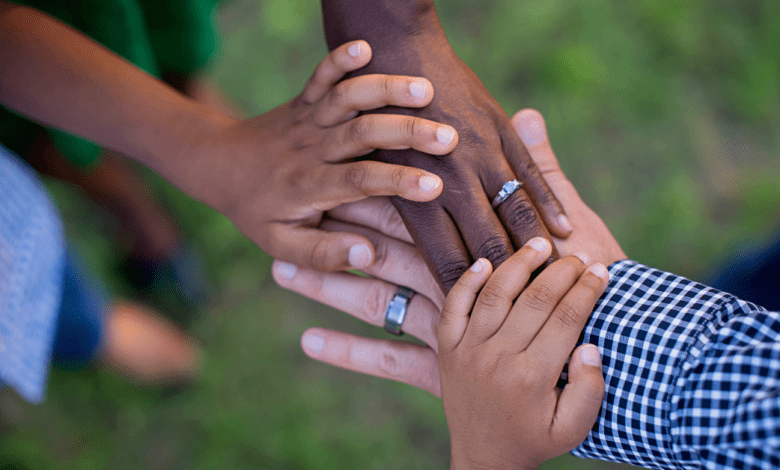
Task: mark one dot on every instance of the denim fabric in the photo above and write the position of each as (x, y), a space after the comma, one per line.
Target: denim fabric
(32, 257)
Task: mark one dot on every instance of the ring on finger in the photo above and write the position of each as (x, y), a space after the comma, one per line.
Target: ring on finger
(396, 310)
(507, 190)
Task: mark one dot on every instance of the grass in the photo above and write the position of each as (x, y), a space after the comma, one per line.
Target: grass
(665, 115)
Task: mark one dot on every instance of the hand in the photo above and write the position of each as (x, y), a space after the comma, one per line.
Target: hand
(274, 175)
(500, 362)
(399, 263)
(460, 225)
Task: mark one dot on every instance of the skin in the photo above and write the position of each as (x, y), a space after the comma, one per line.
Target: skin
(460, 225)
(273, 175)
(399, 262)
(500, 360)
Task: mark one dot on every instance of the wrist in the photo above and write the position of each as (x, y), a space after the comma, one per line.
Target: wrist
(484, 459)
(180, 151)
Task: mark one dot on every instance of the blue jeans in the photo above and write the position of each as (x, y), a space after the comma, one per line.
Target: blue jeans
(81, 319)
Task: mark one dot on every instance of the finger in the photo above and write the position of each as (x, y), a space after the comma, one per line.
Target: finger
(396, 262)
(445, 253)
(539, 301)
(530, 126)
(364, 298)
(506, 283)
(349, 182)
(395, 360)
(342, 60)
(376, 213)
(522, 221)
(543, 198)
(581, 398)
(562, 329)
(455, 315)
(479, 225)
(364, 134)
(348, 98)
(317, 249)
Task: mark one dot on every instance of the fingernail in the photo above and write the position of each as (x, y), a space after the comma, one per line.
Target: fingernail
(417, 89)
(445, 134)
(584, 257)
(539, 244)
(478, 266)
(359, 256)
(532, 132)
(599, 270)
(312, 342)
(590, 355)
(564, 222)
(354, 50)
(286, 270)
(428, 183)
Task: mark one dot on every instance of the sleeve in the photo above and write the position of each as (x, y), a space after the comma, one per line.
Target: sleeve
(692, 375)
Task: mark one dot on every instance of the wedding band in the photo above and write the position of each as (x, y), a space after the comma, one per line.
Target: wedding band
(507, 190)
(396, 311)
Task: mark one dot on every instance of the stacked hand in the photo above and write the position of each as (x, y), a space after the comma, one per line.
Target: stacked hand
(497, 370)
(500, 361)
(400, 263)
(460, 225)
(275, 174)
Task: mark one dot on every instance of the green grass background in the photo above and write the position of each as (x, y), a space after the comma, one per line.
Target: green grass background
(665, 115)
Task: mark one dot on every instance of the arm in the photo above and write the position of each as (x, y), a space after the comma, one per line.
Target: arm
(459, 226)
(692, 374)
(272, 175)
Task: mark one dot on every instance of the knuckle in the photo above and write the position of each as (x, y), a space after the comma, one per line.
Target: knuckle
(397, 176)
(361, 128)
(495, 249)
(339, 95)
(411, 128)
(356, 175)
(450, 272)
(539, 296)
(567, 315)
(388, 363)
(319, 257)
(386, 85)
(521, 214)
(392, 223)
(375, 303)
(493, 296)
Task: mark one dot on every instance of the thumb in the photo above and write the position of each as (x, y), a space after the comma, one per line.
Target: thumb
(531, 128)
(580, 400)
(323, 251)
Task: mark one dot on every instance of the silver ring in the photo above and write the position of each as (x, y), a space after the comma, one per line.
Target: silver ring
(396, 311)
(507, 190)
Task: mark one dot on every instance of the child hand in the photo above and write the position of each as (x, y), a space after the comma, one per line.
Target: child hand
(274, 175)
(500, 364)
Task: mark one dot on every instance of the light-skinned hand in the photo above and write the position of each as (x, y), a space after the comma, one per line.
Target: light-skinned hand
(500, 359)
(398, 262)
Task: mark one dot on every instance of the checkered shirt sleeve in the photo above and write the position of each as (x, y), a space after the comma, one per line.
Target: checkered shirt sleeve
(692, 375)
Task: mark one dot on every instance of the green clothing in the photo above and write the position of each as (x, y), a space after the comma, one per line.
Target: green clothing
(158, 36)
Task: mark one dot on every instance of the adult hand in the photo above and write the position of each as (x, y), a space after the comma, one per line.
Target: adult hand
(460, 225)
(275, 174)
(399, 263)
(501, 359)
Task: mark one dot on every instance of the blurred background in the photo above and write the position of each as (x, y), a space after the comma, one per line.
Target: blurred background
(664, 114)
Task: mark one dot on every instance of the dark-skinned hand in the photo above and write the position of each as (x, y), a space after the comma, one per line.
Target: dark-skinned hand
(459, 226)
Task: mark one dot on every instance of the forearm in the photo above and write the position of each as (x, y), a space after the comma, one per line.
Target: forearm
(59, 77)
(383, 23)
(677, 391)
